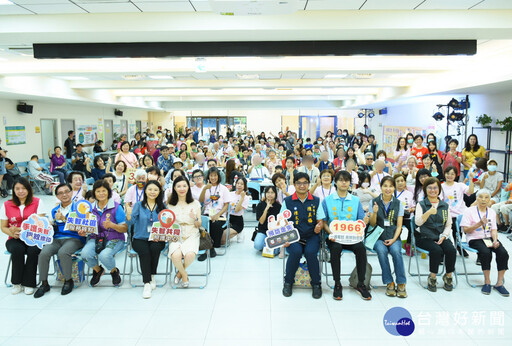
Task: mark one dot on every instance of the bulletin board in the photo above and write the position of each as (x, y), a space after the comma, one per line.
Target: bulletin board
(15, 135)
(87, 134)
(392, 133)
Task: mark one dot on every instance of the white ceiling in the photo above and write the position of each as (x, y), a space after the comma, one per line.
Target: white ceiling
(137, 6)
(360, 80)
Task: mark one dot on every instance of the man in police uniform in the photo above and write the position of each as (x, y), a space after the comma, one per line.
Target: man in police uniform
(344, 206)
(303, 206)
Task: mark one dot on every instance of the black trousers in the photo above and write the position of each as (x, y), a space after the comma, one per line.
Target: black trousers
(407, 224)
(216, 230)
(149, 254)
(23, 272)
(359, 251)
(485, 254)
(437, 252)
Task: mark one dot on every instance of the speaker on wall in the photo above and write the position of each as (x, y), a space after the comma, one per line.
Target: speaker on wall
(24, 108)
(118, 113)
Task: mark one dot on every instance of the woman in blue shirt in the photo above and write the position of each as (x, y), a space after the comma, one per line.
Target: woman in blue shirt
(100, 169)
(143, 215)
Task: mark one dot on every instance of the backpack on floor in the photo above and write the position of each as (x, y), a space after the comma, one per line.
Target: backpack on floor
(353, 280)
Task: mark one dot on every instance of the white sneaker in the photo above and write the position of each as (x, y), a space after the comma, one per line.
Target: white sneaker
(147, 291)
(16, 289)
(29, 291)
(153, 282)
(184, 284)
(240, 237)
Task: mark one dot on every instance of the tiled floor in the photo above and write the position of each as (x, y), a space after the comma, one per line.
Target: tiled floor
(243, 305)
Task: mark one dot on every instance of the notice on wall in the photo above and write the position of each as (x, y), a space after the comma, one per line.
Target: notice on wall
(87, 134)
(392, 133)
(100, 129)
(132, 131)
(117, 131)
(15, 135)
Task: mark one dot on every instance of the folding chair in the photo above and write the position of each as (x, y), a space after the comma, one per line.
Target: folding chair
(464, 246)
(24, 171)
(228, 238)
(133, 254)
(8, 268)
(257, 187)
(205, 222)
(125, 247)
(416, 250)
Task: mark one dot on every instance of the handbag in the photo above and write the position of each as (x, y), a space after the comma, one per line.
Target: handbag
(77, 270)
(205, 240)
(354, 279)
(302, 277)
(372, 237)
(100, 244)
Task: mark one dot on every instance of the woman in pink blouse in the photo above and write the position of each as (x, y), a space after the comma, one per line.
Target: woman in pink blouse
(126, 156)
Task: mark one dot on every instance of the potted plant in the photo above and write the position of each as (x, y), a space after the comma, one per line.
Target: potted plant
(506, 124)
(484, 120)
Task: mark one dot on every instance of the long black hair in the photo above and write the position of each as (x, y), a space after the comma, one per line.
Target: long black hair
(160, 205)
(26, 185)
(468, 146)
(173, 199)
(418, 187)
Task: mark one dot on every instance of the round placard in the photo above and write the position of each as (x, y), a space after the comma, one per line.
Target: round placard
(166, 218)
(82, 208)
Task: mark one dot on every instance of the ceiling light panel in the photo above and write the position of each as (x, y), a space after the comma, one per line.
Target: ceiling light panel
(55, 8)
(174, 6)
(392, 4)
(447, 5)
(332, 5)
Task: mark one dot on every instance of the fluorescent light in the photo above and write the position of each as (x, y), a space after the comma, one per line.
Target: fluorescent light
(160, 77)
(74, 78)
(5, 2)
(248, 76)
(338, 76)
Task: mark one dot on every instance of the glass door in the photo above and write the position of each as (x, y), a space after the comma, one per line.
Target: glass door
(314, 126)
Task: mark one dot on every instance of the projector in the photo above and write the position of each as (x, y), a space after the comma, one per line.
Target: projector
(253, 7)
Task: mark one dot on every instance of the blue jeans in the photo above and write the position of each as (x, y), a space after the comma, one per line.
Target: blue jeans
(259, 242)
(61, 173)
(106, 257)
(310, 251)
(396, 253)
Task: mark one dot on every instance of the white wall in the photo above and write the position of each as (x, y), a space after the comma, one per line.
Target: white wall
(83, 115)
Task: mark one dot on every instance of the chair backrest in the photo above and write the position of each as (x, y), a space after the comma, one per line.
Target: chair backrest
(205, 222)
(413, 228)
(22, 167)
(457, 225)
(254, 185)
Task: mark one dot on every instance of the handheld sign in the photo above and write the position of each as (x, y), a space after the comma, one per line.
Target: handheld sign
(347, 232)
(36, 231)
(281, 231)
(82, 219)
(166, 229)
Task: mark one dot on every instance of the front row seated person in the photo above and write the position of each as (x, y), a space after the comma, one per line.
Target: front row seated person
(479, 225)
(266, 207)
(434, 225)
(110, 238)
(65, 243)
(12, 213)
(341, 205)
(303, 206)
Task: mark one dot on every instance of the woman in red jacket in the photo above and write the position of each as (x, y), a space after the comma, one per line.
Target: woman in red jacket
(13, 213)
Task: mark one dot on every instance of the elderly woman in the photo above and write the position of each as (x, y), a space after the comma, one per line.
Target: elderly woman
(378, 173)
(434, 223)
(257, 170)
(479, 224)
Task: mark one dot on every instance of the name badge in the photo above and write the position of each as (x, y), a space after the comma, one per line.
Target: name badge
(487, 242)
(387, 223)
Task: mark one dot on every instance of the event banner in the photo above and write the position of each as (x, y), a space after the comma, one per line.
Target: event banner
(36, 231)
(281, 231)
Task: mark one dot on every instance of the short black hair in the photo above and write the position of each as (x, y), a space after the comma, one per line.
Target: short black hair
(99, 184)
(342, 175)
(301, 175)
(70, 132)
(110, 175)
(61, 185)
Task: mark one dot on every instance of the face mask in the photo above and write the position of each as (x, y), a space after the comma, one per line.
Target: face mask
(410, 141)
(159, 135)
(140, 185)
(434, 174)
(182, 139)
(319, 142)
(492, 168)
(382, 158)
(152, 177)
(365, 185)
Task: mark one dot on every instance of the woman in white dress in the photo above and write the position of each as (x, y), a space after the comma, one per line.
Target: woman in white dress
(188, 215)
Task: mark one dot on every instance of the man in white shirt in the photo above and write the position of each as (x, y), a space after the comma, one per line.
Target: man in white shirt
(257, 170)
(310, 170)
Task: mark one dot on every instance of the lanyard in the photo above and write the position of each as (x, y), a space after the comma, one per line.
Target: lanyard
(484, 227)
(323, 191)
(151, 211)
(399, 194)
(77, 194)
(139, 197)
(379, 177)
(310, 174)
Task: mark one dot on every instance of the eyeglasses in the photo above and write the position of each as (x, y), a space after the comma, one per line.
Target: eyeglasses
(301, 183)
(63, 193)
(433, 188)
(197, 176)
(369, 159)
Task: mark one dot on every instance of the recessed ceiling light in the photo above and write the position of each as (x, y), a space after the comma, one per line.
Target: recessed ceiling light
(5, 2)
(133, 76)
(74, 78)
(161, 77)
(338, 76)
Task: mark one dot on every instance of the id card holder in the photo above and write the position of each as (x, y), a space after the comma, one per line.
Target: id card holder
(487, 242)
(149, 229)
(387, 223)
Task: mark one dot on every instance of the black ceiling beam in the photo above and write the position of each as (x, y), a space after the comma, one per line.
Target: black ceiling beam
(252, 48)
